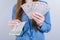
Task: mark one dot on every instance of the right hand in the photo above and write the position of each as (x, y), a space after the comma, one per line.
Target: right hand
(13, 22)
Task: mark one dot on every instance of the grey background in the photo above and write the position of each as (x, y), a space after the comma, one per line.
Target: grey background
(6, 13)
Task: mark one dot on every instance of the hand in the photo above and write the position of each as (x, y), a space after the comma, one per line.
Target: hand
(38, 17)
(13, 22)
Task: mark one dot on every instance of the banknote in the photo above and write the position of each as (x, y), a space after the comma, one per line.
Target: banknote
(17, 29)
(39, 7)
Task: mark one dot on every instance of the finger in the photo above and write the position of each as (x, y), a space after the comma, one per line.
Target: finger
(17, 20)
(38, 14)
(37, 20)
(11, 23)
(37, 17)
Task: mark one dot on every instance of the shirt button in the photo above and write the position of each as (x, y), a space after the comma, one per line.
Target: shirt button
(31, 30)
(31, 37)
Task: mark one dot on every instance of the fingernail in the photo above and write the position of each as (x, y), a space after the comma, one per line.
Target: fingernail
(17, 22)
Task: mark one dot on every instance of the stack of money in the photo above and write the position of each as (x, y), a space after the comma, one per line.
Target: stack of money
(17, 29)
(39, 7)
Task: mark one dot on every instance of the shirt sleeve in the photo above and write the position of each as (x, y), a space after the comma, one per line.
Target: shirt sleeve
(13, 11)
(46, 26)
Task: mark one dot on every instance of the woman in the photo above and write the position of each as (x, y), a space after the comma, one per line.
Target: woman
(34, 29)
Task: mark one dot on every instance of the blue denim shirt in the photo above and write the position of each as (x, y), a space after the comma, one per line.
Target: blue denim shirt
(28, 32)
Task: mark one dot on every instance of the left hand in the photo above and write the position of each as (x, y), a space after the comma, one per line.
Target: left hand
(38, 17)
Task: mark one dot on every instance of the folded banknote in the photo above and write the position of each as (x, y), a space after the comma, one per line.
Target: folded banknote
(17, 29)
